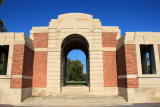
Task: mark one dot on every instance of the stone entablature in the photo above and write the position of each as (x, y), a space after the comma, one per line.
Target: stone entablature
(35, 64)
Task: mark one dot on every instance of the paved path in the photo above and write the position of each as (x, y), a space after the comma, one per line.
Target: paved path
(75, 101)
(133, 105)
(78, 99)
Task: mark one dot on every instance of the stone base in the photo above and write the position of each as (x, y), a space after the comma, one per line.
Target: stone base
(140, 95)
(110, 91)
(12, 95)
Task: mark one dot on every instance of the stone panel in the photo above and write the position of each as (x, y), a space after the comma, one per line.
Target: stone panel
(149, 82)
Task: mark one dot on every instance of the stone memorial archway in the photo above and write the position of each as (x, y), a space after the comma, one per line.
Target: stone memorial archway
(116, 65)
(74, 41)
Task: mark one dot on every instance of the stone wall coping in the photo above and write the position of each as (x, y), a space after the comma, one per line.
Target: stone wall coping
(73, 15)
(15, 38)
(139, 38)
(41, 29)
(111, 29)
(75, 21)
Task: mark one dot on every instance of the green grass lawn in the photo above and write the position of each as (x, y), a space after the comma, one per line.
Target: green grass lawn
(76, 82)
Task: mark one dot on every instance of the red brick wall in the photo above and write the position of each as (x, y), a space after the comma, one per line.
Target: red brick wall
(132, 83)
(22, 65)
(40, 40)
(16, 83)
(121, 61)
(126, 60)
(109, 60)
(131, 62)
(40, 69)
(21, 83)
(127, 64)
(122, 82)
(28, 67)
(121, 66)
(109, 69)
(17, 64)
(128, 82)
(26, 83)
(109, 39)
(28, 61)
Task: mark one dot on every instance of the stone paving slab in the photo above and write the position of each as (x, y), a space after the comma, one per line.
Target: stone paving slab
(76, 101)
(133, 105)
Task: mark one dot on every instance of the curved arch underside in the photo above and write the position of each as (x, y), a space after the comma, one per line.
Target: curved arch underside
(75, 41)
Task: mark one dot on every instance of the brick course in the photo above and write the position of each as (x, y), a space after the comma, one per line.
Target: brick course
(109, 69)
(40, 69)
(40, 40)
(109, 39)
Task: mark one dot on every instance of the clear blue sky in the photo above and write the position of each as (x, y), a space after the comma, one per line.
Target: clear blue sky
(129, 15)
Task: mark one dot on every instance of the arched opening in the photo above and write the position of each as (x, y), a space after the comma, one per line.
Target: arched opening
(72, 42)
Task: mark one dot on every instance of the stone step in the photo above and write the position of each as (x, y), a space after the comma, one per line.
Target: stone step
(75, 89)
(74, 92)
(75, 95)
(63, 100)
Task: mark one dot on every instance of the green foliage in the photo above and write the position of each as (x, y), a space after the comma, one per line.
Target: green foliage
(76, 82)
(149, 69)
(1, 3)
(75, 71)
(2, 58)
(3, 27)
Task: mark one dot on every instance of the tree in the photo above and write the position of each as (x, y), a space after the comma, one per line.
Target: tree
(1, 3)
(69, 69)
(75, 70)
(3, 27)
